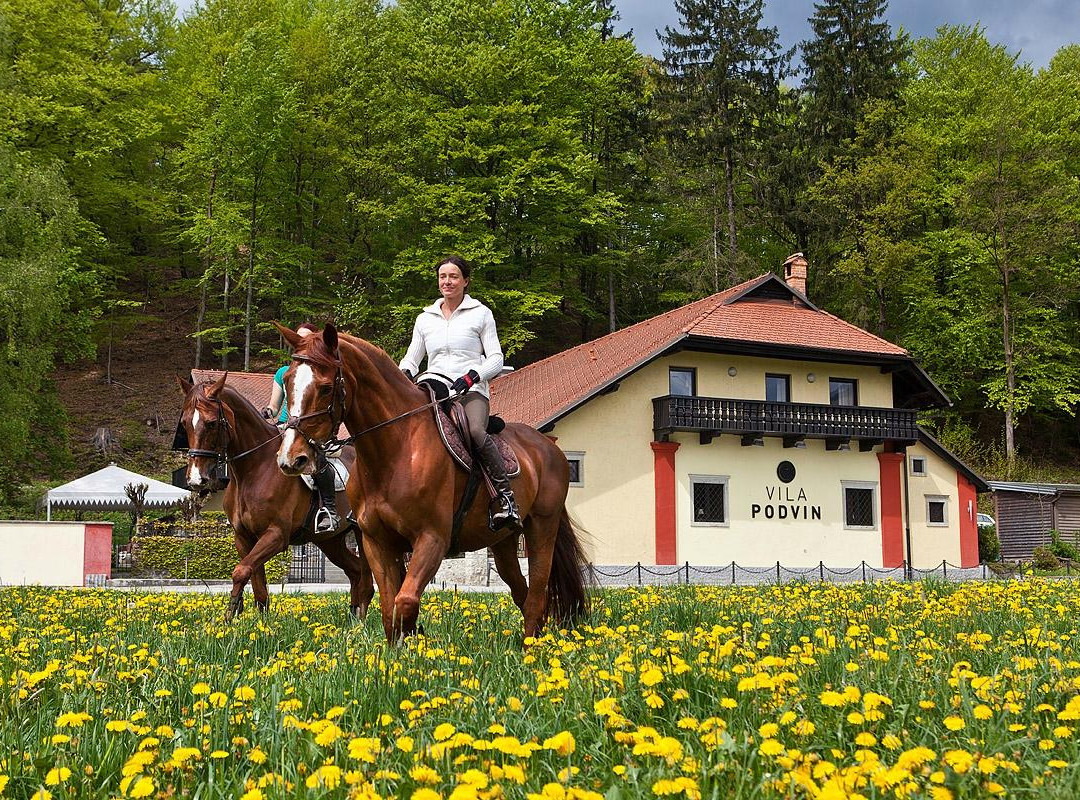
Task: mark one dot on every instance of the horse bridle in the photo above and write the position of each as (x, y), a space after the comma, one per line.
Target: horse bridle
(336, 420)
(220, 455)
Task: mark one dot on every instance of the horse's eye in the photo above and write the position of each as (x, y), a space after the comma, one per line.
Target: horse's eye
(324, 390)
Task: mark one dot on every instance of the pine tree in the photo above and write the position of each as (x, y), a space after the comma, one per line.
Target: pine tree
(853, 60)
(723, 73)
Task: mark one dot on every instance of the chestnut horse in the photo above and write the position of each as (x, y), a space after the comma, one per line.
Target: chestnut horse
(265, 507)
(407, 487)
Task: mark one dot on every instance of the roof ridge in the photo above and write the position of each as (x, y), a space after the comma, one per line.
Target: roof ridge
(728, 291)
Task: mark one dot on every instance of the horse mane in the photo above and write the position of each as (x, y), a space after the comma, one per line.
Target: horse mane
(236, 401)
(379, 358)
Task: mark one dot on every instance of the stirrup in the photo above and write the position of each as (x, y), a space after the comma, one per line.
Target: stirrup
(507, 513)
(326, 520)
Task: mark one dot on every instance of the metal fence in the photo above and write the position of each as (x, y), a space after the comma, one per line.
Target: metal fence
(734, 574)
(308, 564)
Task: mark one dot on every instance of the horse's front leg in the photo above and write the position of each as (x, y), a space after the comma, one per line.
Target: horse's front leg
(271, 542)
(386, 566)
(429, 549)
(361, 587)
(259, 589)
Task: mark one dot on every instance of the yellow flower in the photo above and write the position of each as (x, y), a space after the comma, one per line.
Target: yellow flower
(252, 794)
(424, 793)
(3, 783)
(982, 711)
(831, 698)
(514, 704)
(444, 732)
(329, 734)
(562, 742)
(335, 712)
(771, 747)
(41, 794)
(959, 760)
(72, 719)
(244, 693)
(404, 744)
(423, 774)
(257, 756)
(1057, 763)
(941, 793)
(144, 787)
(866, 739)
(652, 676)
(219, 754)
(953, 723)
(57, 775)
(218, 699)
(200, 688)
(768, 730)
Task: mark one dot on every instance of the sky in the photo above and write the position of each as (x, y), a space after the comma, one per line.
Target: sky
(1035, 28)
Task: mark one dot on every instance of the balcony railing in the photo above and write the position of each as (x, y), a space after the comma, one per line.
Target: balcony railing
(715, 415)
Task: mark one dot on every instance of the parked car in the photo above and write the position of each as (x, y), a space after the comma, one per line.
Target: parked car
(985, 521)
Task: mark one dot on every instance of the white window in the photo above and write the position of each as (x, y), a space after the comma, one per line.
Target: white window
(577, 467)
(937, 510)
(709, 500)
(860, 505)
(918, 466)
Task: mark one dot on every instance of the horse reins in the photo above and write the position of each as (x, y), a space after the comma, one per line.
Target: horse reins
(221, 454)
(334, 443)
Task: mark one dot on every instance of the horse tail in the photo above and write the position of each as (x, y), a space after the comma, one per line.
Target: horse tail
(568, 594)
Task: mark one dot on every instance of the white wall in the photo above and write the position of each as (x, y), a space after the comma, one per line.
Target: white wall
(43, 553)
(930, 544)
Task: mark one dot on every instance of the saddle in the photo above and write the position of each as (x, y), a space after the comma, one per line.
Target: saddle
(455, 435)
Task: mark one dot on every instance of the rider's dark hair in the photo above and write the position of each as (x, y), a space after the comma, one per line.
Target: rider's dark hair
(306, 326)
(458, 262)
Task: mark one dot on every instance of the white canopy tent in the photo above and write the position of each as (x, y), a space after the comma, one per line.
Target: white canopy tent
(104, 491)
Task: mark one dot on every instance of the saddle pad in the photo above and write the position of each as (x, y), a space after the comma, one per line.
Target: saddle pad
(341, 475)
(455, 445)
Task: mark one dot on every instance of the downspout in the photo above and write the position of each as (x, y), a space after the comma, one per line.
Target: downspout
(907, 514)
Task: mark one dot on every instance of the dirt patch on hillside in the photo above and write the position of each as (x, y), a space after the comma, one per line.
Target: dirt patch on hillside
(132, 420)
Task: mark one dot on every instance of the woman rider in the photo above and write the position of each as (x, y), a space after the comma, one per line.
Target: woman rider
(457, 334)
(326, 518)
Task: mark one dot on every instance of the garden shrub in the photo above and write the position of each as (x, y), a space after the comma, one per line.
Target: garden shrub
(1063, 549)
(989, 544)
(206, 557)
(1043, 558)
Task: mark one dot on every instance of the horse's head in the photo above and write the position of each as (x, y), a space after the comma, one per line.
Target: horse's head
(315, 393)
(207, 423)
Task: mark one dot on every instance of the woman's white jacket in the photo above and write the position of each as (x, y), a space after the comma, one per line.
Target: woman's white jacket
(468, 340)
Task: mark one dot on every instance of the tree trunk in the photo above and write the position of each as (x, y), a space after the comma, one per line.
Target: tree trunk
(1010, 372)
(729, 191)
(225, 335)
(207, 262)
(612, 324)
(250, 279)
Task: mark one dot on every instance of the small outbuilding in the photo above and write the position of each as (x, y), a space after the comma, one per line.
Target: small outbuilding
(1027, 513)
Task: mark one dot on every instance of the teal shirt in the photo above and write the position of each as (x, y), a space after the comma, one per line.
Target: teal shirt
(279, 379)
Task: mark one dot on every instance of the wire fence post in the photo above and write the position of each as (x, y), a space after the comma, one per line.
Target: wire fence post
(778, 573)
(639, 573)
(733, 572)
(944, 572)
(864, 571)
(687, 573)
(907, 573)
(821, 570)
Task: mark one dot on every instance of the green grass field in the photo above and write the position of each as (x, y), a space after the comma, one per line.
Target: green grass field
(806, 690)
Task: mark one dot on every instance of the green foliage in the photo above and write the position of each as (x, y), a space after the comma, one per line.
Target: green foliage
(989, 544)
(1043, 558)
(203, 557)
(1063, 549)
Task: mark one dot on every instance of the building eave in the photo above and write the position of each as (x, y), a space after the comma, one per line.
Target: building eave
(938, 448)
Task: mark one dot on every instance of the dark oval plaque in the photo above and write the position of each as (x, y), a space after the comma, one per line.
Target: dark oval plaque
(785, 471)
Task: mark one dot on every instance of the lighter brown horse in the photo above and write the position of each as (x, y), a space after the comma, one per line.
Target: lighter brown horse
(266, 508)
(407, 487)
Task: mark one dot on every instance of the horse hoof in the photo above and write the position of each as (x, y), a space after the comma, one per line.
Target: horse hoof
(358, 613)
(263, 607)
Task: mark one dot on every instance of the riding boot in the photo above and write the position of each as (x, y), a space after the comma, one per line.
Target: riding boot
(326, 518)
(504, 495)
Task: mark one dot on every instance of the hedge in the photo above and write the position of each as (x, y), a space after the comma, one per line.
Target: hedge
(204, 557)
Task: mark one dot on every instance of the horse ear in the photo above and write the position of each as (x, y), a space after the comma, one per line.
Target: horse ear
(330, 337)
(290, 336)
(185, 384)
(219, 384)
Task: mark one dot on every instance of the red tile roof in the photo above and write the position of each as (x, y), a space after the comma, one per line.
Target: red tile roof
(747, 313)
(254, 386)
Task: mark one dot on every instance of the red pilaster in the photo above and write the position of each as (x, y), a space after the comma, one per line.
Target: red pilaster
(969, 529)
(664, 487)
(892, 508)
(97, 549)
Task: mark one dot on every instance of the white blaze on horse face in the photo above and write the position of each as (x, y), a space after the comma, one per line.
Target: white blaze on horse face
(194, 476)
(302, 379)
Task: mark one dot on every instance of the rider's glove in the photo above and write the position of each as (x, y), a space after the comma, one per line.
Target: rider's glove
(466, 381)
(409, 375)
(268, 413)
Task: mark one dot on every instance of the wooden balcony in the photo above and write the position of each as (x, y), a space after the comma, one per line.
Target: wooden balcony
(753, 419)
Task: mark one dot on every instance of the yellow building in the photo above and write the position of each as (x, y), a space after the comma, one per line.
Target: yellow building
(750, 426)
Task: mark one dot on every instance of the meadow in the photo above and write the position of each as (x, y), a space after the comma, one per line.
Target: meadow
(802, 691)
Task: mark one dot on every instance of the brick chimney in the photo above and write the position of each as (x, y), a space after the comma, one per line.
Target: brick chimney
(795, 272)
